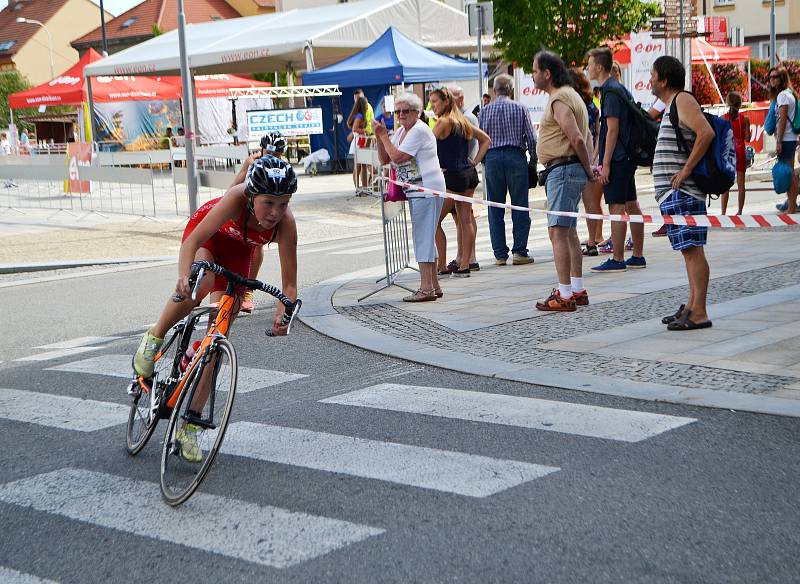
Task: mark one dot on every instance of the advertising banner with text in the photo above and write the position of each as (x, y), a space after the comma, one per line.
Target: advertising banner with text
(289, 122)
(644, 50)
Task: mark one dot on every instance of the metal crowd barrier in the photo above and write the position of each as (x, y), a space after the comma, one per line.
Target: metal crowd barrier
(396, 249)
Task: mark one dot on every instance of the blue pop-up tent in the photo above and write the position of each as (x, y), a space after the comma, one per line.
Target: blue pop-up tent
(391, 60)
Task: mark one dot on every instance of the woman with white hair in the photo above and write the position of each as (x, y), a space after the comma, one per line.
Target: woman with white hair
(412, 153)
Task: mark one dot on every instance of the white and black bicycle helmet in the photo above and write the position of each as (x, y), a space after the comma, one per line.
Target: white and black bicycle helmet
(274, 143)
(270, 176)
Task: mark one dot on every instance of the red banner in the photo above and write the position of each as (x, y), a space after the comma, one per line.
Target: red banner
(78, 154)
(757, 117)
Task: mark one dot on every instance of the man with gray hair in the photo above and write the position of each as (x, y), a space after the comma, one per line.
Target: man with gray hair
(506, 169)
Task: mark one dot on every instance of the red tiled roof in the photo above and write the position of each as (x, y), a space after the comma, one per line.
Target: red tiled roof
(161, 12)
(11, 30)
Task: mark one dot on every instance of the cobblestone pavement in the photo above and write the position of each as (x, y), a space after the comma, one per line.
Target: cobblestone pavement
(520, 341)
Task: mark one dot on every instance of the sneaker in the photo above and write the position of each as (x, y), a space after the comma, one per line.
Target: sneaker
(521, 259)
(143, 360)
(462, 273)
(589, 250)
(636, 263)
(186, 437)
(474, 267)
(611, 265)
(247, 302)
(660, 232)
(554, 303)
(629, 244)
(783, 207)
(444, 272)
(500, 261)
(581, 298)
(606, 247)
(421, 296)
(452, 266)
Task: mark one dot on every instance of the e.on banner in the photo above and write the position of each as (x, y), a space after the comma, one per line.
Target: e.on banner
(644, 50)
(533, 99)
(757, 118)
(78, 154)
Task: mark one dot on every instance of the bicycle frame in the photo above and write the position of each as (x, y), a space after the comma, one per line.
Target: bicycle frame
(218, 328)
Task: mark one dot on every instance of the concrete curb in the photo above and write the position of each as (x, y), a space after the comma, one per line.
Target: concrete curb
(66, 264)
(319, 314)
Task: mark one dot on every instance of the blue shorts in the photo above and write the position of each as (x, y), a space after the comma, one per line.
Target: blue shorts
(788, 148)
(621, 187)
(684, 236)
(563, 187)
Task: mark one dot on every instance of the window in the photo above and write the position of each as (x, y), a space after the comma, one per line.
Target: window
(724, 2)
(216, 17)
(5, 45)
(129, 22)
(780, 48)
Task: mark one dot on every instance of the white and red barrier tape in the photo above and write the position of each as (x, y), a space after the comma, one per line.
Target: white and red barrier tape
(722, 221)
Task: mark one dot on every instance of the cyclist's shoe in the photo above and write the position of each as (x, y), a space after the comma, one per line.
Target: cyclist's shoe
(143, 360)
(247, 302)
(186, 437)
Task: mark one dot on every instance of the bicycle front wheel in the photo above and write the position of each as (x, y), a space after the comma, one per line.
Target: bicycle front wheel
(198, 422)
(144, 412)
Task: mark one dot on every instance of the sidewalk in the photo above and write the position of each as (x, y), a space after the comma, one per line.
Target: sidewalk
(487, 324)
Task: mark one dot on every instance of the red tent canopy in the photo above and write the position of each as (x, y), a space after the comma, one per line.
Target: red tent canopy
(69, 88)
(217, 85)
(714, 54)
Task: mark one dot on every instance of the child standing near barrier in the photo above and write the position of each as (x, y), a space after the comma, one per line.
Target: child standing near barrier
(741, 134)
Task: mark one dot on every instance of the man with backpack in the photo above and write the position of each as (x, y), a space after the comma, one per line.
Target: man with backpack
(683, 142)
(618, 162)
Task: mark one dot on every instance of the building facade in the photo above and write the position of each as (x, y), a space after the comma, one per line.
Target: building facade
(26, 47)
(752, 18)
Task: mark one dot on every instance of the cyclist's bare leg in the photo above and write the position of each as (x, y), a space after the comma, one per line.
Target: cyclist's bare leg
(204, 387)
(175, 311)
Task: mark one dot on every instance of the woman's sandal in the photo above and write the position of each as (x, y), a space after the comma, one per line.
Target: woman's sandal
(674, 317)
(421, 296)
(686, 324)
(590, 250)
(438, 292)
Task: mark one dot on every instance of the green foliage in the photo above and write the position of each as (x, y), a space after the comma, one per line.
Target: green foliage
(567, 27)
(11, 82)
(156, 30)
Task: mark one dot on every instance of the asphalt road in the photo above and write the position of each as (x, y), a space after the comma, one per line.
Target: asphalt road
(489, 482)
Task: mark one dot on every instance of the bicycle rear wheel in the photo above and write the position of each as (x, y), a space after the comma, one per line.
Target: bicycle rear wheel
(184, 467)
(144, 413)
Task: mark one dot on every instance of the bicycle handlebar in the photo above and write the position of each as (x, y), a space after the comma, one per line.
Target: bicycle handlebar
(198, 270)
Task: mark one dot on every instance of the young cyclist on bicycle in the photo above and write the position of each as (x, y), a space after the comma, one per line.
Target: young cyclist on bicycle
(227, 231)
(272, 144)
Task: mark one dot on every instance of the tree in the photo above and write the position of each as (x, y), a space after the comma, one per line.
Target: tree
(567, 27)
(10, 82)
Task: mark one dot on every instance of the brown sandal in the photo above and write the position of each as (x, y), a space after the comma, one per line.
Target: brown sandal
(421, 296)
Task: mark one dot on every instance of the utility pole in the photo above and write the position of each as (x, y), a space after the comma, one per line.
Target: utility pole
(773, 56)
(103, 28)
(188, 110)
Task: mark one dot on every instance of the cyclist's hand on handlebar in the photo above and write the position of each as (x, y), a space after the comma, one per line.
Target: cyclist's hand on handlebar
(182, 288)
(278, 329)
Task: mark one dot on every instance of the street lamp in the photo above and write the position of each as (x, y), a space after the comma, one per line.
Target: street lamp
(49, 39)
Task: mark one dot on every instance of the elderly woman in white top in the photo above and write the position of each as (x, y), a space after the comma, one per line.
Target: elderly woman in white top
(412, 153)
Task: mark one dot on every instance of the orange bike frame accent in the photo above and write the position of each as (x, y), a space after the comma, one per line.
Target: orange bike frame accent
(221, 325)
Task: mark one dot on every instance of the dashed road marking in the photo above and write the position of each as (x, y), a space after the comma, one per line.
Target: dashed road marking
(239, 529)
(429, 468)
(525, 412)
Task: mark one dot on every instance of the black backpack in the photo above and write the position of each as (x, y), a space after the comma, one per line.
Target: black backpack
(641, 145)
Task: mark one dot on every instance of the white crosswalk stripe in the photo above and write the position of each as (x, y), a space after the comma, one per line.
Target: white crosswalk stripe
(525, 412)
(249, 379)
(429, 468)
(58, 354)
(9, 576)
(265, 535)
(59, 411)
(78, 342)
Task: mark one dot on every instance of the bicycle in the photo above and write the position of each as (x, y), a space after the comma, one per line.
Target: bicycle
(208, 382)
